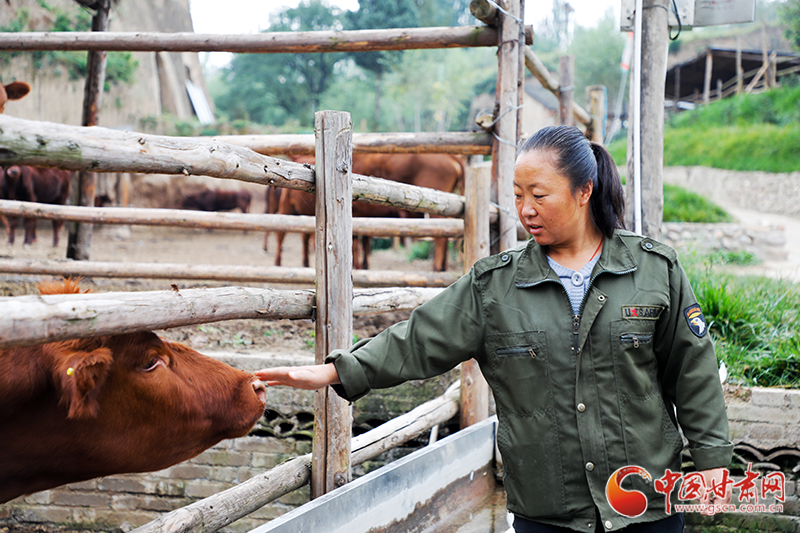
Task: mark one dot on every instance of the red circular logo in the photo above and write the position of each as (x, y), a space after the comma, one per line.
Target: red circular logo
(630, 503)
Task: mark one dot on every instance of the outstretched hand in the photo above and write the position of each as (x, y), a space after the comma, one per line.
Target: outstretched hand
(300, 377)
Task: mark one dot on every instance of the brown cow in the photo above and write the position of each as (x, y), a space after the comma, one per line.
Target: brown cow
(76, 410)
(35, 184)
(12, 91)
(218, 200)
(443, 172)
(295, 202)
(272, 198)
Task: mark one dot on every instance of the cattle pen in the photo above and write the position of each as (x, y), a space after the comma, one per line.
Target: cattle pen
(334, 301)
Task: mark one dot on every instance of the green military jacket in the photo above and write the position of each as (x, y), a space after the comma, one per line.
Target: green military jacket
(578, 396)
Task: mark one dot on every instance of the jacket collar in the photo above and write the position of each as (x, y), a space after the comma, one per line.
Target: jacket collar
(533, 268)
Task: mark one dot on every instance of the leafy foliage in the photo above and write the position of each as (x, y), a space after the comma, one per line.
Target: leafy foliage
(275, 88)
(597, 52)
(383, 91)
(789, 13)
(120, 66)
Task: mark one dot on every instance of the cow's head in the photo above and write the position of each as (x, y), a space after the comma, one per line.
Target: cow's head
(124, 403)
(163, 399)
(12, 91)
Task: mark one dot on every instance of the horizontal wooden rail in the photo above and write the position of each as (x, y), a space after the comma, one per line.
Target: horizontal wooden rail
(371, 227)
(96, 149)
(233, 273)
(56, 317)
(262, 43)
(215, 512)
(465, 143)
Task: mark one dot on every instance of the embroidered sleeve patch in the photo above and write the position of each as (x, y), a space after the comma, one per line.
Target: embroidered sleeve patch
(694, 317)
(642, 312)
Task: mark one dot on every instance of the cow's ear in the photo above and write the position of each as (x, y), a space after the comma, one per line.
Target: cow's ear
(17, 89)
(81, 377)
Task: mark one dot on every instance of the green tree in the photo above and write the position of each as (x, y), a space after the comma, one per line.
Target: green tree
(445, 13)
(597, 52)
(379, 14)
(789, 12)
(276, 88)
(431, 90)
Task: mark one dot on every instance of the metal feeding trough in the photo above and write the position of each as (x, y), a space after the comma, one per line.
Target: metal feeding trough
(430, 487)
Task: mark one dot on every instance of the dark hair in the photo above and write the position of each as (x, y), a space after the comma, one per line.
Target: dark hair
(581, 161)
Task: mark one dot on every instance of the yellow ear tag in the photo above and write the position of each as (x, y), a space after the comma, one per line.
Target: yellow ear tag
(70, 371)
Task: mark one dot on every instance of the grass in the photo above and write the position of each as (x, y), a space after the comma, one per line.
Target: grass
(758, 132)
(681, 205)
(754, 322)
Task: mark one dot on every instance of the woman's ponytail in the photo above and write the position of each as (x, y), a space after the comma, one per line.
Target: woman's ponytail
(608, 198)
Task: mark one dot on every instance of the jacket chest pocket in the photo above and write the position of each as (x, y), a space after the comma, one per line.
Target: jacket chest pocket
(520, 372)
(634, 358)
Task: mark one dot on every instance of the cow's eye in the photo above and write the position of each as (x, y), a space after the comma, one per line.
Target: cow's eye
(151, 365)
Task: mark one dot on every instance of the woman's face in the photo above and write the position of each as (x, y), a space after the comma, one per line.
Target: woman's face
(546, 206)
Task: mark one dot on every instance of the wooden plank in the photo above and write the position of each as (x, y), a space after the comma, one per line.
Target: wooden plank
(373, 227)
(236, 273)
(294, 42)
(456, 142)
(484, 11)
(47, 144)
(48, 318)
(330, 467)
(57, 317)
(474, 389)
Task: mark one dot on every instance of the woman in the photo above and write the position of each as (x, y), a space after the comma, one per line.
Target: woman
(589, 336)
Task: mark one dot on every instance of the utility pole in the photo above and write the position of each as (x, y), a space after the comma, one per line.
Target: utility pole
(644, 186)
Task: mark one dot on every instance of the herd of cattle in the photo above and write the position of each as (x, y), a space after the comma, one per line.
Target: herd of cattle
(437, 171)
(80, 409)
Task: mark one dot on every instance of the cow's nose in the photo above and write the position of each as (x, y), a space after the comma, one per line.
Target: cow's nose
(260, 389)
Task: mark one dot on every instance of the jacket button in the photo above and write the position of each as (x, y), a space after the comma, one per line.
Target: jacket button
(590, 466)
(581, 408)
(608, 524)
(504, 257)
(601, 298)
(649, 246)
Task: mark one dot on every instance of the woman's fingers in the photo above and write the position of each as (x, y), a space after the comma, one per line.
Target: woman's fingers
(300, 377)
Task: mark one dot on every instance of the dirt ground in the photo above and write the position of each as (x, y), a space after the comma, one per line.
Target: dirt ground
(178, 245)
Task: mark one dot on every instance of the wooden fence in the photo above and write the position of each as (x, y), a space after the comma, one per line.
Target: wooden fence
(102, 150)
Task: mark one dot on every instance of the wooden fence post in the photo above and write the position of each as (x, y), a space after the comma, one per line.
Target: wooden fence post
(334, 289)
(474, 389)
(79, 242)
(566, 89)
(506, 130)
